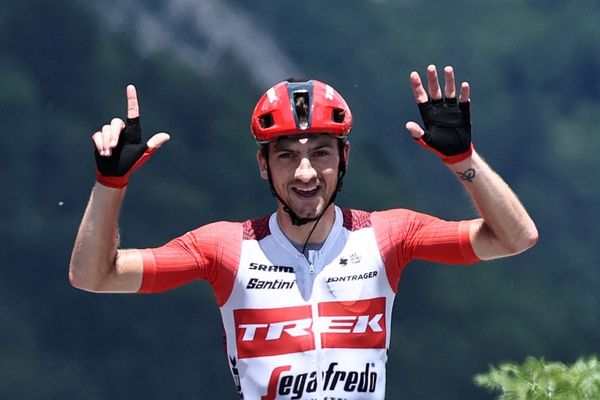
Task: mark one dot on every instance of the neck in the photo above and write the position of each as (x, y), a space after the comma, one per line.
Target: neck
(299, 234)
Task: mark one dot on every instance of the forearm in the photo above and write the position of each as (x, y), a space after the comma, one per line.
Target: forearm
(505, 227)
(95, 250)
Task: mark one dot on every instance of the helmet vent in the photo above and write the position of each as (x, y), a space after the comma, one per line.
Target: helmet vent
(266, 121)
(338, 115)
(301, 106)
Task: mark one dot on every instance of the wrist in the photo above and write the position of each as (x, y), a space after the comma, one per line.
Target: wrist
(115, 182)
(468, 168)
(457, 158)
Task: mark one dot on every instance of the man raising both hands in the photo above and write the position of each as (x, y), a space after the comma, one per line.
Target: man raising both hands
(306, 293)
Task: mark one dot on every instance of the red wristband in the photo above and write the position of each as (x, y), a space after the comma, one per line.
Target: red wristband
(447, 159)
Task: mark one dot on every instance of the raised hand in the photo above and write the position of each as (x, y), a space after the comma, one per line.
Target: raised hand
(446, 120)
(119, 148)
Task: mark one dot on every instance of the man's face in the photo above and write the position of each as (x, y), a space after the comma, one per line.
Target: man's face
(304, 171)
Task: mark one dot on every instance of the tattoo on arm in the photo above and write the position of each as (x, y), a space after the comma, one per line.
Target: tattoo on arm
(468, 175)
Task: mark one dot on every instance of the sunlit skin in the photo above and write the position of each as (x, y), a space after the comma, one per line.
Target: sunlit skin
(304, 173)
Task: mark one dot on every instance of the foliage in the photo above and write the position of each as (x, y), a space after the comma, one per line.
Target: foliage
(537, 379)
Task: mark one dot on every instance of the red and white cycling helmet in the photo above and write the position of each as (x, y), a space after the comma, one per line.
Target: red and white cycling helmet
(300, 107)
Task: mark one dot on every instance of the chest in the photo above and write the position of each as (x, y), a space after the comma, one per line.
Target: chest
(270, 274)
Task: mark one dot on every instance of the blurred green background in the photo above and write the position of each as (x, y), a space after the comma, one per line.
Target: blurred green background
(200, 66)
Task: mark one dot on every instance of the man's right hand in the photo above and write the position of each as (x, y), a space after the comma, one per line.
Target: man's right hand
(118, 146)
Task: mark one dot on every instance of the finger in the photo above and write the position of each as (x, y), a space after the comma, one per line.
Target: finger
(415, 130)
(106, 133)
(158, 140)
(417, 88)
(97, 139)
(435, 92)
(465, 92)
(133, 107)
(116, 126)
(449, 86)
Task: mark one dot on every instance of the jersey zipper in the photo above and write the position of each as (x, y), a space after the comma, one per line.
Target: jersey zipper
(316, 327)
(314, 305)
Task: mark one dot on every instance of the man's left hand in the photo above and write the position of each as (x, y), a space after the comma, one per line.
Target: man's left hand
(447, 120)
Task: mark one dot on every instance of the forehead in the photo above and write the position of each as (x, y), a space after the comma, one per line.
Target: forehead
(308, 141)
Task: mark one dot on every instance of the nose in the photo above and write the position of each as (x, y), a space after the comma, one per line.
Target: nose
(305, 171)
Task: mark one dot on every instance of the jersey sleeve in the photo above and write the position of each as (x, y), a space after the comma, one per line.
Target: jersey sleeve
(208, 253)
(404, 235)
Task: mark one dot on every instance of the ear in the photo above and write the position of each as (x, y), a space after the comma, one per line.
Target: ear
(347, 153)
(262, 165)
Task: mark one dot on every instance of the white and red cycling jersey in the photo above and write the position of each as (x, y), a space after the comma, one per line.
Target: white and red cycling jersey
(307, 328)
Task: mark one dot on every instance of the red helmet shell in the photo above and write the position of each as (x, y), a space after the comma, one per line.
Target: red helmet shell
(276, 114)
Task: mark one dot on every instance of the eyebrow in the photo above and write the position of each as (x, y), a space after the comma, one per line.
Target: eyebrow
(285, 146)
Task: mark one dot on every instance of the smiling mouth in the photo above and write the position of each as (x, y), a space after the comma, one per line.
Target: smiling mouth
(306, 192)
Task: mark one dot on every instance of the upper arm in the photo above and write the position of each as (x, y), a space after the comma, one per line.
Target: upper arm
(425, 237)
(210, 253)
(403, 235)
(126, 275)
(485, 244)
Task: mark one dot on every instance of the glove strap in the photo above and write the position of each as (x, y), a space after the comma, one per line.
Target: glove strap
(447, 159)
(119, 182)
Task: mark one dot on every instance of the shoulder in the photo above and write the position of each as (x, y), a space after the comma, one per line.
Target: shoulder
(358, 219)
(228, 232)
(218, 229)
(399, 217)
(225, 233)
(256, 228)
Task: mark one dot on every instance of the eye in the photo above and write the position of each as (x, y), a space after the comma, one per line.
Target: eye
(285, 155)
(321, 153)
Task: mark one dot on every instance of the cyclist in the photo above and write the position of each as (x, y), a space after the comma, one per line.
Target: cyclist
(306, 293)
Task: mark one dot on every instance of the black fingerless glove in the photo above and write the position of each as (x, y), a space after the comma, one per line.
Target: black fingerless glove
(447, 129)
(128, 155)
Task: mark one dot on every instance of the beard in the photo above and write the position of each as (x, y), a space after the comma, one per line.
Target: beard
(304, 207)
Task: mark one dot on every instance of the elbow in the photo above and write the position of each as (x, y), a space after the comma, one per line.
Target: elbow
(533, 237)
(493, 245)
(525, 241)
(79, 280)
(75, 279)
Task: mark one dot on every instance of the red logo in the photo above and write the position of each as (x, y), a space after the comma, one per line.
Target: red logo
(269, 332)
(282, 382)
(353, 324)
(273, 381)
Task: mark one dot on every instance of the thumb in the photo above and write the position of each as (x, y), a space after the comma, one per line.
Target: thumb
(158, 140)
(415, 130)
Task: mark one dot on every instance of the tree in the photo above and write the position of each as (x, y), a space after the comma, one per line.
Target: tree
(536, 379)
